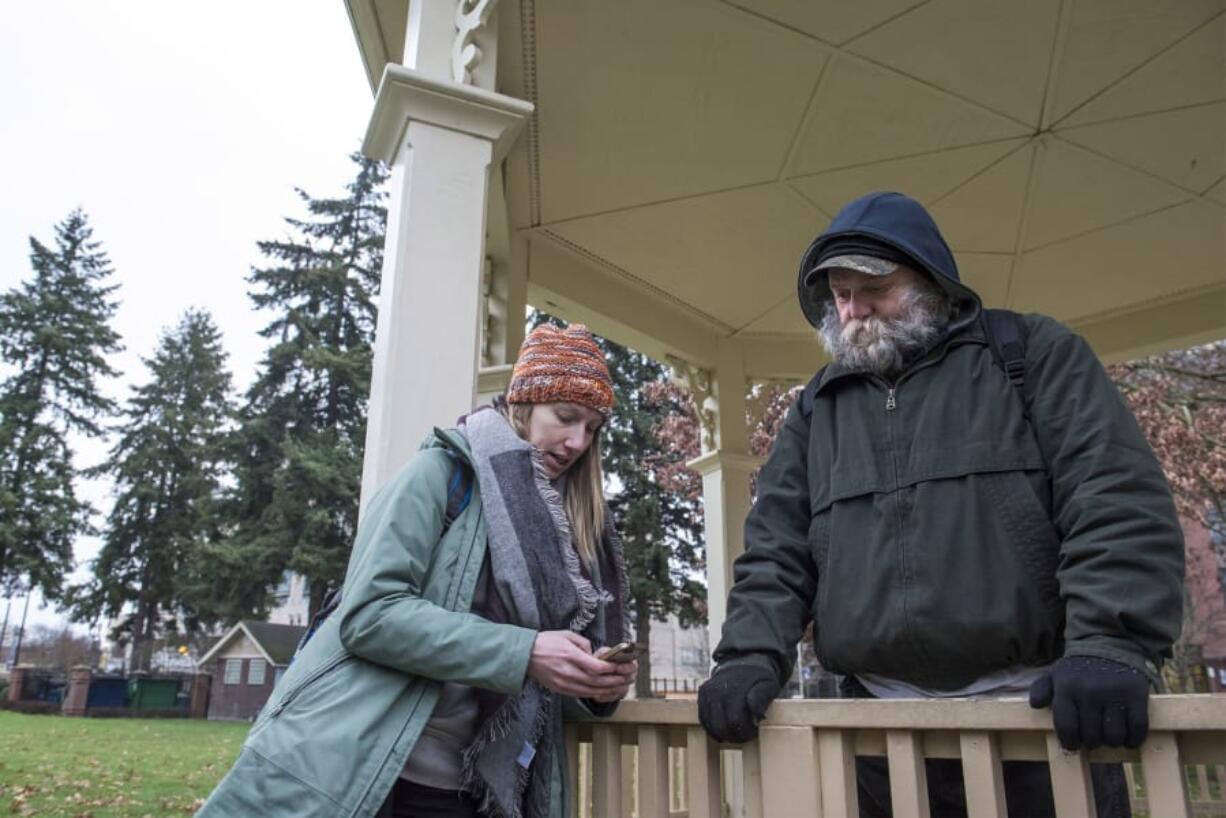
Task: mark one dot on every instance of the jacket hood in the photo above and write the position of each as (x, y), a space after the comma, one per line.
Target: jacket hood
(905, 225)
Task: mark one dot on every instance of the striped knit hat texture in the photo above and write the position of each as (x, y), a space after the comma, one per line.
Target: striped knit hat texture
(561, 366)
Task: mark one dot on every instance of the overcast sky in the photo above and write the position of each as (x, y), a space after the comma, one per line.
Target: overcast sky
(182, 130)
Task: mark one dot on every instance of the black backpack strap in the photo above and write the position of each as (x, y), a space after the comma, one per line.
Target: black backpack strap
(1006, 333)
(809, 394)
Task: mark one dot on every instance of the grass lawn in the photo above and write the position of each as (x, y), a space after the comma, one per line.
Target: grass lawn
(105, 768)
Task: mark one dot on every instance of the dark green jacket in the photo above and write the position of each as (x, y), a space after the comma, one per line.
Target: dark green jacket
(942, 535)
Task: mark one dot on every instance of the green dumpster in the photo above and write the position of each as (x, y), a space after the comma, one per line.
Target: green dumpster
(153, 694)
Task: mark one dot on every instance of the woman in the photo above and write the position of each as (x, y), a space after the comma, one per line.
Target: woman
(436, 688)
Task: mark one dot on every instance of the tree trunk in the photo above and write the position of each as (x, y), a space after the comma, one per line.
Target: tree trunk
(642, 637)
(319, 589)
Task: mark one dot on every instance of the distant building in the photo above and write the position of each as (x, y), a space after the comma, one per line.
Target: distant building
(246, 664)
(680, 660)
(293, 601)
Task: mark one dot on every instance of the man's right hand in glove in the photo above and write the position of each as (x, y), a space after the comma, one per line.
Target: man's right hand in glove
(734, 700)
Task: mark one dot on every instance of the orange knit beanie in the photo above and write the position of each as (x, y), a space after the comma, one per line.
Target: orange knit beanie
(561, 366)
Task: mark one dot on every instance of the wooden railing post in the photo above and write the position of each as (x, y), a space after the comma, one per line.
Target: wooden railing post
(1070, 781)
(838, 765)
(1164, 784)
(572, 768)
(702, 761)
(607, 772)
(751, 763)
(653, 771)
(908, 774)
(983, 775)
(791, 778)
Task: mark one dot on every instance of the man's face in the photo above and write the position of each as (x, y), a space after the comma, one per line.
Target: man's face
(879, 323)
(860, 295)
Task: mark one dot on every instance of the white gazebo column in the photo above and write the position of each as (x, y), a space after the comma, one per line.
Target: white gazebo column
(442, 137)
(726, 468)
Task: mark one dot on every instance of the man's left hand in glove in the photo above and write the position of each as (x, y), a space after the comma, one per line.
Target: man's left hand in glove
(1094, 701)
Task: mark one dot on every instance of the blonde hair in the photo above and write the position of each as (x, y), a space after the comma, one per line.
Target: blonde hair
(584, 488)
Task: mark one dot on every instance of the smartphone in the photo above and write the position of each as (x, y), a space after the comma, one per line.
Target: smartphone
(619, 653)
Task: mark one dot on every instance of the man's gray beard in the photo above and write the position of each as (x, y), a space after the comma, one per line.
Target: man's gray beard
(885, 346)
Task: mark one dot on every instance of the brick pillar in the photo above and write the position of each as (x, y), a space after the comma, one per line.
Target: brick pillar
(77, 694)
(17, 679)
(199, 707)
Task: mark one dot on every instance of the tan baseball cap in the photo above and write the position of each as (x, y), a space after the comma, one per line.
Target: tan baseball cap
(869, 265)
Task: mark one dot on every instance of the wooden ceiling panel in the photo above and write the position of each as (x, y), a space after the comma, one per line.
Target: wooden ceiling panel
(1124, 267)
(641, 101)
(1107, 39)
(832, 21)
(925, 178)
(1186, 147)
(1076, 192)
(783, 319)
(986, 274)
(868, 114)
(997, 55)
(983, 214)
(730, 255)
(1192, 72)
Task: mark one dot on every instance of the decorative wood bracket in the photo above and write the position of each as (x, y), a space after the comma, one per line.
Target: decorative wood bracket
(470, 17)
(698, 382)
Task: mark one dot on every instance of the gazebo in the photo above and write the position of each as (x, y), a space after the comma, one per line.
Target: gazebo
(655, 169)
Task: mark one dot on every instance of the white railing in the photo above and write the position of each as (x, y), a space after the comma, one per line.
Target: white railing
(653, 760)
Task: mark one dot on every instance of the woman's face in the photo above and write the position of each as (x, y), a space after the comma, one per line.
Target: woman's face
(563, 431)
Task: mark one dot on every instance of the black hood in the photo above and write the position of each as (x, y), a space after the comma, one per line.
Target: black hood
(902, 223)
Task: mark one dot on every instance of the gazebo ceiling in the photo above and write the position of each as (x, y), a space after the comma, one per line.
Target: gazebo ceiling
(1073, 151)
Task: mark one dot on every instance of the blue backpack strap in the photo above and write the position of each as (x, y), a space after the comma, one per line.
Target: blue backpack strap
(1006, 333)
(459, 489)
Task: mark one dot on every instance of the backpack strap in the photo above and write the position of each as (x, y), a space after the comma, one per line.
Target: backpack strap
(459, 490)
(1006, 333)
(809, 394)
(459, 495)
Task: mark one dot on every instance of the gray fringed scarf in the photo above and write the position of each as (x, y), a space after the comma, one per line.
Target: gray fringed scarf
(508, 767)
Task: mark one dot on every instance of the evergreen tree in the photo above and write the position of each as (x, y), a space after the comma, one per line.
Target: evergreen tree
(298, 451)
(55, 333)
(167, 469)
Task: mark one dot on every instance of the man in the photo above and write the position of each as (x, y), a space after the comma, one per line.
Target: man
(948, 531)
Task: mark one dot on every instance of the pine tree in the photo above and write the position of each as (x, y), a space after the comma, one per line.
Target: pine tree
(55, 333)
(298, 450)
(166, 469)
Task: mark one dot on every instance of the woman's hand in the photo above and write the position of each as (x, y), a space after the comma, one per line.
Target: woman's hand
(563, 662)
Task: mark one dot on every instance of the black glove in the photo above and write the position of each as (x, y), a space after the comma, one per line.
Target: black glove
(1094, 701)
(734, 700)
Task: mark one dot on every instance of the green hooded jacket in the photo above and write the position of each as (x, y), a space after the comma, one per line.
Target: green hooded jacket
(943, 526)
(337, 730)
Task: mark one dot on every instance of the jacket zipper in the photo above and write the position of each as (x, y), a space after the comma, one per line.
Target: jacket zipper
(307, 682)
(890, 403)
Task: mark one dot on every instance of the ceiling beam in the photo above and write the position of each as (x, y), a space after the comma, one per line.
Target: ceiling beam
(364, 19)
(574, 288)
(1183, 321)
(781, 358)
